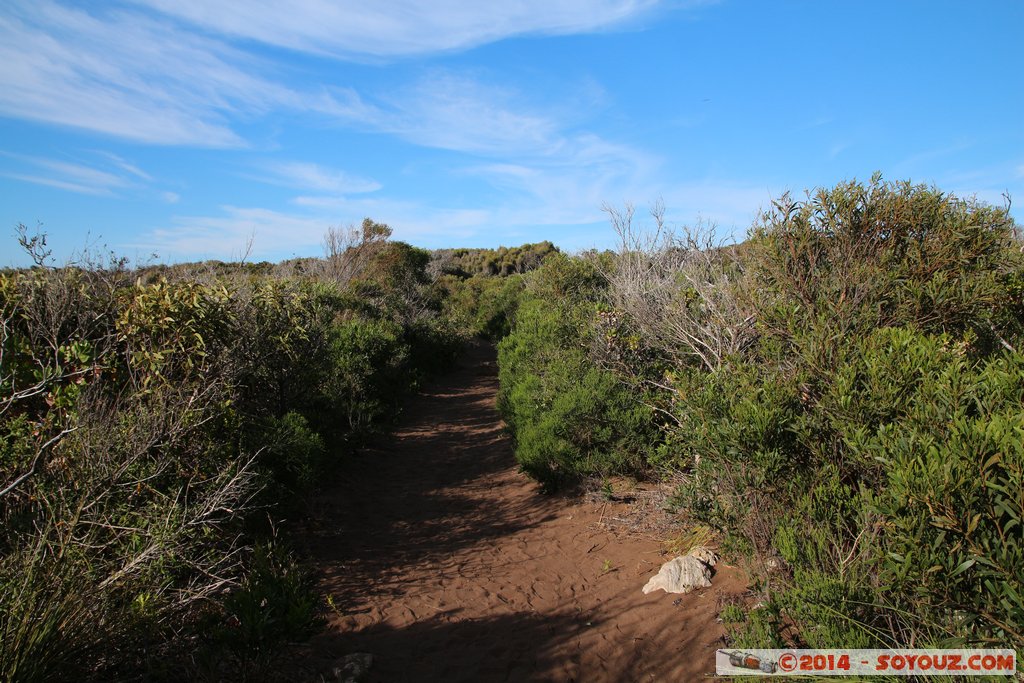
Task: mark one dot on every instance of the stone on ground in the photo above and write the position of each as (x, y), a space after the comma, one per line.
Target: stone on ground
(684, 573)
(353, 668)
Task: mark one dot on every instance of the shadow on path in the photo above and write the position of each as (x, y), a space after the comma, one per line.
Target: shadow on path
(447, 564)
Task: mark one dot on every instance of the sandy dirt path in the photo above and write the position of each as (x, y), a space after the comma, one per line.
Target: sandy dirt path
(447, 564)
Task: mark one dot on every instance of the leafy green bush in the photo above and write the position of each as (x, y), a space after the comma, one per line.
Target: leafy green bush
(481, 305)
(48, 624)
(503, 261)
(861, 442)
(367, 377)
(496, 309)
(858, 257)
(953, 469)
(141, 416)
(734, 433)
(568, 417)
(434, 344)
(898, 449)
(294, 455)
(274, 603)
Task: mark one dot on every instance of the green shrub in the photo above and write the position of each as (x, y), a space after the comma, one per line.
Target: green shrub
(734, 432)
(497, 306)
(294, 455)
(568, 418)
(275, 603)
(858, 257)
(953, 467)
(862, 444)
(434, 344)
(139, 415)
(367, 376)
(281, 347)
(481, 305)
(53, 624)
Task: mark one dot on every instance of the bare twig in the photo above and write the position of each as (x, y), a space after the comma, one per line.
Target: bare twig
(35, 461)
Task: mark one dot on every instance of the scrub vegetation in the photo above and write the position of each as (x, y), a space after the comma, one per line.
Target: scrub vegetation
(841, 394)
(159, 424)
(839, 399)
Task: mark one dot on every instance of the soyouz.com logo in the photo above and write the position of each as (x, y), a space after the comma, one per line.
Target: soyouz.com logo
(866, 662)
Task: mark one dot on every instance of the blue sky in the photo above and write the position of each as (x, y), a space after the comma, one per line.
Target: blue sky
(186, 127)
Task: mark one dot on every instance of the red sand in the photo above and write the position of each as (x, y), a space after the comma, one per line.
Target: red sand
(446, 564)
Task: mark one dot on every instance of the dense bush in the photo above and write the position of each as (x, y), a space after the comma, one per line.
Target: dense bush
(880, 308)
(568, 417)
(485, 306)
(842, 395)
(479, 289)
(951, 462)
(465, 263)
(144, 422)
(120, 485)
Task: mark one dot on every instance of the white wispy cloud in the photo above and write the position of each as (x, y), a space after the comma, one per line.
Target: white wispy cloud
(732, 205)
(127, 71)
(838, 148)
(124, 165)
(928, 158)
(992, 185)
(117, 76)
(459, 113)
(548, 169)
(122, 73)
(131, 71)
(90, 172)
(226, 234)
(542, 153)
(450, 110)
(279, 234)
(57, 183)
(310, 177)
(66, 175)
(400, 27)
(548, 172)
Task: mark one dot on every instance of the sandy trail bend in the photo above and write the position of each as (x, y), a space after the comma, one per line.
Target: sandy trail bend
(447, 564)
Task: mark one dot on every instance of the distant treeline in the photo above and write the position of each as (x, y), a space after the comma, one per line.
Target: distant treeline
(463, 263)
(501, 261)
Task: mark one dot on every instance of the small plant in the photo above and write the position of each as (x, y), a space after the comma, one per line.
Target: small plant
(332, 605)
(732, 614)
(274, 604)
(607, 491)
(606, 566)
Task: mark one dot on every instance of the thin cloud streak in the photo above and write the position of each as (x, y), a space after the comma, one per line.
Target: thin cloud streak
(312, 177)
(59, 184)
(454, 112)
(400, 28)
(127, 75)
(69, 176)
(124, 165)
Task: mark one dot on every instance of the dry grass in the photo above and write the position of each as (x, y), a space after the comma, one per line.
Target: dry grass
(639, 509)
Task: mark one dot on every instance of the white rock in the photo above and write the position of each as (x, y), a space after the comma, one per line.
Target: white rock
(705, 555)
(685, 573)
